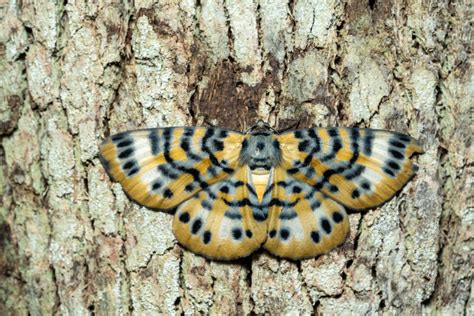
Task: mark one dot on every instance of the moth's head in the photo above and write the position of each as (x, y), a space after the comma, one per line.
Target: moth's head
(260, 128)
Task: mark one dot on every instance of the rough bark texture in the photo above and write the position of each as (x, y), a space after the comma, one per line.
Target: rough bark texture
(72, 72)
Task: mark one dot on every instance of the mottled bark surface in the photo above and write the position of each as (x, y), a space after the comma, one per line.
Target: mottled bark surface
(72, 72)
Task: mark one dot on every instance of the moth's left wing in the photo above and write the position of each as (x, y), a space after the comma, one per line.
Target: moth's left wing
(162, 167)
(360, 168)
(224, 221)
(302, 221)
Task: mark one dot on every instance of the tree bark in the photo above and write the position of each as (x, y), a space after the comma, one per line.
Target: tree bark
(74, 72)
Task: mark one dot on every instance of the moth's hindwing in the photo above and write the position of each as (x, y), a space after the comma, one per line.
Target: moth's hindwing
(223, 221)
(303, 222)
(162, 167)
(360, 168)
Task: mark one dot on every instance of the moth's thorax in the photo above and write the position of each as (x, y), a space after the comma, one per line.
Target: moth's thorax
(260, 152)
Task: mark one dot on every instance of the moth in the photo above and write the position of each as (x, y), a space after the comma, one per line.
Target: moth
(236, 192)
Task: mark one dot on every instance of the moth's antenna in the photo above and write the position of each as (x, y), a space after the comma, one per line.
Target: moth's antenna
(291, 127)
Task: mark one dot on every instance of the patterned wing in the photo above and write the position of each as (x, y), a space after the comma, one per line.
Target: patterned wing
(303, 222)
(360, 168)
(162, 167)
(223, 221)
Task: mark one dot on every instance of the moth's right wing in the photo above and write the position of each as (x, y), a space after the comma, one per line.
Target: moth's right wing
(359, 168)
(162, 167)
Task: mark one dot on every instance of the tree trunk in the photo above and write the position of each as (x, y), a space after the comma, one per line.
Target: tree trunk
(74, 72)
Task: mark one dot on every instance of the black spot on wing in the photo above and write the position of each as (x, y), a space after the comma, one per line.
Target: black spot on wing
(218, 145)
(206, 237)
(259, 214)
(315, 237)
(293, 170)
(233, 214)
(154, 141)
(282, 184)
(132, 171)
(237, 233)
(354, 136)
(315, 205)
(223, 133)
(368, 142)
(318, 185)
(284, 233)
(333, 132)
(130, 164)
(333, 188)
(196, 226)
(337, 146)
(297, 189)
(125, 143)
(404, 138)
(397, 144)
(167, 193)
(119, 136)
(188, 132)
(337, 217)
(272, 233)
(326, 226)
(184, 218)
(303, 145)
(126, 153)
(238, 184)
(156, 185)
(393, 165)
(248, 233)
(396, 154)
(185, 144)
(288, 214)
(224, 189)
(355, 194)
(167, 172)
(206, 205)
(389, 172)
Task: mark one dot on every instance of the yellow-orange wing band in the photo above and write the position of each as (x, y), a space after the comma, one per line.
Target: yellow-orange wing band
(302, 222)
(360, 168)
(162, 167)
(224, 221)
